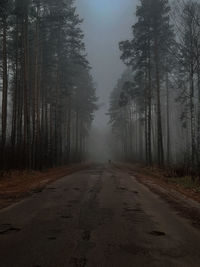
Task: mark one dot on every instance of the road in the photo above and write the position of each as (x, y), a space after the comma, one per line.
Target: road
(100, 217)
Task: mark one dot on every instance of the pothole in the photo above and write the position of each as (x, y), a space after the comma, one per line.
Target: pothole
(77, 189)
(66, 217)
(86, 235)
(157, 233)
(6, 224)
(135, 249)
(37, 191)
(78, 262)
(130, 209)
(122, 188)
(55, 231)
(73, 201)
(51, 188)
(52, 238)
(9, 230)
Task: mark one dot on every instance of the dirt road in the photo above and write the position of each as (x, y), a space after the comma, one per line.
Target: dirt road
(100, 217)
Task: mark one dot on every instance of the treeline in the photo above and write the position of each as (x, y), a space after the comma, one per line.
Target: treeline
(47, 93)
(155, 107)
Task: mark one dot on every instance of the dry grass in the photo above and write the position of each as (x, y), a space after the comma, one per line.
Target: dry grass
(15, 185)
(184, 185)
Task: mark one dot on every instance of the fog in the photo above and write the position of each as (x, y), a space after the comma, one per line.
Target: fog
(95, 78)
(99, 130)
(48, 98)
(106, 23)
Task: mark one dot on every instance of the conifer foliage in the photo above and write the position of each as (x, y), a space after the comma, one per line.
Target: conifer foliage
(48, 95)
(158, 102)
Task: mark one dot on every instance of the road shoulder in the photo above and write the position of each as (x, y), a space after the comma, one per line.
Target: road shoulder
(185, 202)
(17, 185)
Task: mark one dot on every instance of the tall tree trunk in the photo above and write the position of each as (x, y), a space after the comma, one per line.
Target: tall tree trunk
(77, 135)
(159, 116)
(168, 120)
(198, 116)
(35, 114)
(149, 106)
(26, 92)
(5, 87)
(20, 94)
(15, 89)
(192, 117)
(69, 130)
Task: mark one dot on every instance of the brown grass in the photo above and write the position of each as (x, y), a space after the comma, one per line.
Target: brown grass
(16, 185)
(184, 185)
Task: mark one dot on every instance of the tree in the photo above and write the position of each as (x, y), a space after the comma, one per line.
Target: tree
(147, 53)
(4, 13)
(49, 72)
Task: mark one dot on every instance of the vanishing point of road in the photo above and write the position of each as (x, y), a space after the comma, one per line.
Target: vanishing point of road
(100, 217)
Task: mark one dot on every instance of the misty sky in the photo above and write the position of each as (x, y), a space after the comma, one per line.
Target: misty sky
(106, 22)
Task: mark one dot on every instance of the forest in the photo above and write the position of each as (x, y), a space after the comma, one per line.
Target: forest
(155, 105)
(47, 92)
(99, 133)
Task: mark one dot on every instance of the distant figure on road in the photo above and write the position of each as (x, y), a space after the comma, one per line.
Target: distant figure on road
(109, 161)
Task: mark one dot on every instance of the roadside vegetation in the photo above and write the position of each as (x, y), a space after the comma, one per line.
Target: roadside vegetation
(16, 185)
(161, 179)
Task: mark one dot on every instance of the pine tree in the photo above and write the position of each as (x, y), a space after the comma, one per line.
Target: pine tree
(49, 73)
(147, 52)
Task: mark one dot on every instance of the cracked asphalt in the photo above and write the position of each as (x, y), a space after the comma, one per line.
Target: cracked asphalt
(100, 217)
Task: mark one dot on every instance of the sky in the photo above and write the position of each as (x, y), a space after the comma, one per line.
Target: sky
(106, 23)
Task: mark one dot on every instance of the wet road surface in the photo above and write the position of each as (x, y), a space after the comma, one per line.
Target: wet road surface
(100, 217)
